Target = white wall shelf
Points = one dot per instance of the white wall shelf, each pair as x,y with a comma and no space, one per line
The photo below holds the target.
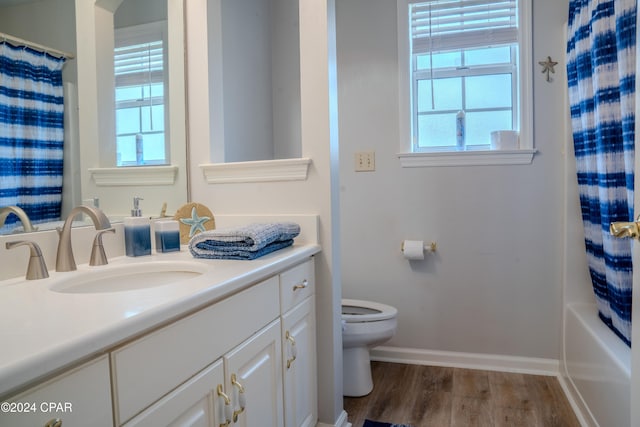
137,175
467,158
256,171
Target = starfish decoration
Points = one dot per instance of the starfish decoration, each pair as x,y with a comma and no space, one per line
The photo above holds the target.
547,67
196,222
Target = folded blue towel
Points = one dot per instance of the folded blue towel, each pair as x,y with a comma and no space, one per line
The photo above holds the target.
248,242
240,254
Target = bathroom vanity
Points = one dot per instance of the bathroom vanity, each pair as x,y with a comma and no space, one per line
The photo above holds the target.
234,343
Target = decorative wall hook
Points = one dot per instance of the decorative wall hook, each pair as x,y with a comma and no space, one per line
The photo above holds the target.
547,67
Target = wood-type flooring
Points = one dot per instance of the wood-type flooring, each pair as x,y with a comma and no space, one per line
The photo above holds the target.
430,396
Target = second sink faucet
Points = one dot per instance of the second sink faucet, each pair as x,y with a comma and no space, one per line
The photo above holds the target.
64,259
21,214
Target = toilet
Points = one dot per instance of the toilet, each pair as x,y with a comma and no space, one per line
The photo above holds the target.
365,324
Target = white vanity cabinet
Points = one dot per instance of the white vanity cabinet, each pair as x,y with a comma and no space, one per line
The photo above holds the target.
77,398
232,351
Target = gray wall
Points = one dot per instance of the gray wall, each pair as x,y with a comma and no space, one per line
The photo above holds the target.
494,285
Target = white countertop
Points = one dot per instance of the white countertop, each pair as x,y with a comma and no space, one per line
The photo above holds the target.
44,331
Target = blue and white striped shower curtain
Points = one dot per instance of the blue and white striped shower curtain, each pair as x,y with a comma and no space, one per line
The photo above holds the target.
601,72
31,132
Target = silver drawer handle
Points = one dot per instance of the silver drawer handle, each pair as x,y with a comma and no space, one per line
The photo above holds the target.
302,285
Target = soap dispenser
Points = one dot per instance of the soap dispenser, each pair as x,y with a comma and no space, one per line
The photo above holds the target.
137,232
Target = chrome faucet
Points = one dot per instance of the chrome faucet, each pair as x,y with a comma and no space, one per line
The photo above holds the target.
64,259
22,215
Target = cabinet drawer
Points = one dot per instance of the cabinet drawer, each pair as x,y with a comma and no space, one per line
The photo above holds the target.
296,284
80,397
147,369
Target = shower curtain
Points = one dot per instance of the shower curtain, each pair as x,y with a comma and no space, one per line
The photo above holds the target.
31,132
601,73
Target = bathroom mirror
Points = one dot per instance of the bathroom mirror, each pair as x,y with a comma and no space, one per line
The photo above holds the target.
254,63
78,26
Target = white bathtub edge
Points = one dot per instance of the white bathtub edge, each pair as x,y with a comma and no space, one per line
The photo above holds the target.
595,371
612,345
577,403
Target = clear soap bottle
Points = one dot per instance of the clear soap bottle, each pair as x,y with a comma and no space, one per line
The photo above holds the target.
460,131
137,232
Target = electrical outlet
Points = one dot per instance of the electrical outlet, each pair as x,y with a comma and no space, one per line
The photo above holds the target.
365,161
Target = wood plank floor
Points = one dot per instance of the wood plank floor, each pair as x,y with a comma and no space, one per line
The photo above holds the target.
430,396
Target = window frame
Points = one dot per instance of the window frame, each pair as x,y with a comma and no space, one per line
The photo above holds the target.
463,72
447,156
140,34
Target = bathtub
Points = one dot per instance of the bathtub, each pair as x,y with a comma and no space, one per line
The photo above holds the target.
597,368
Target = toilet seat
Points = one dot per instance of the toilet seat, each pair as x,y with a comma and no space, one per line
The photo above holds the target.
365,324
358,311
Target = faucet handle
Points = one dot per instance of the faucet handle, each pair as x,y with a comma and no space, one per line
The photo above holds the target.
37,268
98,256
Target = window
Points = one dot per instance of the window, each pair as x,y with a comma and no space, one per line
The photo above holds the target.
463,58
139,61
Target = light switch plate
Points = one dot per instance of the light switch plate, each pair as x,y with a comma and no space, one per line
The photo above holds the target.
365,161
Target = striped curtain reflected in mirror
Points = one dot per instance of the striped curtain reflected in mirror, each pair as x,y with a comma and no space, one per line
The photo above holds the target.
31,132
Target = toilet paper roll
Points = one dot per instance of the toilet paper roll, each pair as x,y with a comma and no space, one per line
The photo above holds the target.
504,140
413,249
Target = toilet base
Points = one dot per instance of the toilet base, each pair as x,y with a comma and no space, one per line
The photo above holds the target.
356,372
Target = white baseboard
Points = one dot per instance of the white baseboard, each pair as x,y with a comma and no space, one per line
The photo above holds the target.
340,422
489,362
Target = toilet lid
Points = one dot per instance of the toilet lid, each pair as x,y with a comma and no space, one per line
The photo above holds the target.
354,311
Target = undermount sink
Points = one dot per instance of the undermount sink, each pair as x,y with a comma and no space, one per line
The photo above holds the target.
129,277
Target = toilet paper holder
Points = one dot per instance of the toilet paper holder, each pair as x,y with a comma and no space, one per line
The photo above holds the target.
427,248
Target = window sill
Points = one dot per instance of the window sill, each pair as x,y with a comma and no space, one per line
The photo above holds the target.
467,158
257,171
134,175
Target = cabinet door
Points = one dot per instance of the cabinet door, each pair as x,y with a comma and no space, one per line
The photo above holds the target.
299,365
80,397
254,379
200,402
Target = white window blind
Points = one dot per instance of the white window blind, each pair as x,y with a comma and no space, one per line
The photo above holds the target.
444,25
139,63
